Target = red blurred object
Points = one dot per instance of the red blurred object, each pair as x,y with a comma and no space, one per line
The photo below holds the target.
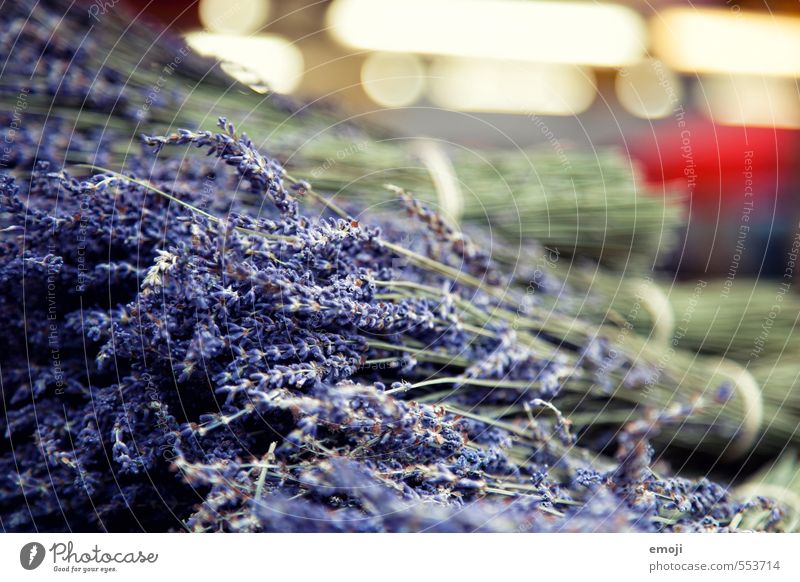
714,162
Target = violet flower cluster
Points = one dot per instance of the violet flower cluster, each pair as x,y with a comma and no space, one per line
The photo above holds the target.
171,362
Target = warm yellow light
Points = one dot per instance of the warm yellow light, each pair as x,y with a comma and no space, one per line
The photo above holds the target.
255,60
563,32
649,89
511,87
722,41
754,101
393,80
233,16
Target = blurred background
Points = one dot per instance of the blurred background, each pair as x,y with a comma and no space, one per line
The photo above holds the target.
703,96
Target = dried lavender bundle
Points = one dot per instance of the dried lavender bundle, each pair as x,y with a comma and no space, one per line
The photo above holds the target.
206,369
781,394
549,296
746,320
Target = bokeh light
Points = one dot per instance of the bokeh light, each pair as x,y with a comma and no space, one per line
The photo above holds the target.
648,89
393,80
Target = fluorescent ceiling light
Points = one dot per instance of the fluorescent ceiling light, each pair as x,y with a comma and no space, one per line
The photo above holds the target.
511,87
559,32
722,41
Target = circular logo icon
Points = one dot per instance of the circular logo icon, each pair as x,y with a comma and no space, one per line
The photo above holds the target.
31,555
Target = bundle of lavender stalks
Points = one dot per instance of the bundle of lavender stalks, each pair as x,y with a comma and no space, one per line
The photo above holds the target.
232,345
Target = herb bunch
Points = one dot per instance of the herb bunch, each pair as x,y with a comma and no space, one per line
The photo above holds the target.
188,364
